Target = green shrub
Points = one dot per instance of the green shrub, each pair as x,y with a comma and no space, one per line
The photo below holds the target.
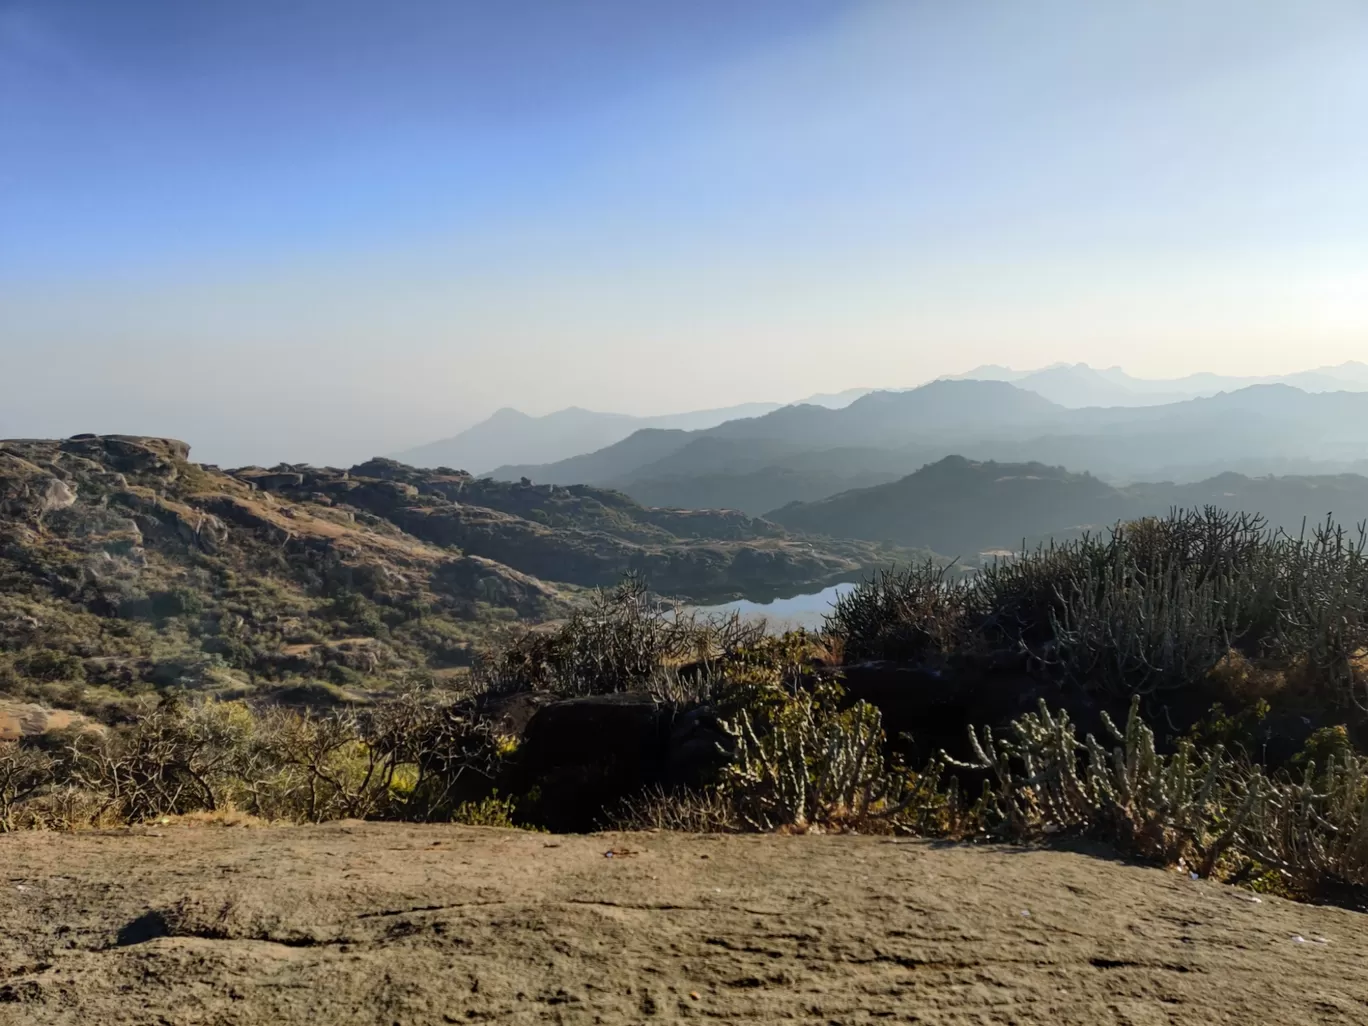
625,641
1152,606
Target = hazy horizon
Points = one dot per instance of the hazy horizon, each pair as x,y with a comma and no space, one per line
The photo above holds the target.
312,231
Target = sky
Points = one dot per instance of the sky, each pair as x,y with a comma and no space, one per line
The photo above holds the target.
328,229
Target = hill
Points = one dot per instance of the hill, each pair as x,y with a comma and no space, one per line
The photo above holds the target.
962,507
125,566
517,445
965,506
510,436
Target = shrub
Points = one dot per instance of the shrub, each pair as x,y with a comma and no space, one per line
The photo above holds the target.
24,774
1152,606
904,615
1197,806
803,763
625,641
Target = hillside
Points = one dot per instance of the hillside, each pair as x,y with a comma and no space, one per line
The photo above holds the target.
963,507
510,436
816,441
125,566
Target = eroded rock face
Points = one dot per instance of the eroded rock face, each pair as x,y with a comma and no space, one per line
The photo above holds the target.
29,492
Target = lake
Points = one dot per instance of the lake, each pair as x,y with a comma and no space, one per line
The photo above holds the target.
785,614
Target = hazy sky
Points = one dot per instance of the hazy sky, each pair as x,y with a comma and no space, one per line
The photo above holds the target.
323,229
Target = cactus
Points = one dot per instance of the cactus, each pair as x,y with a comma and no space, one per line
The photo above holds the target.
810,766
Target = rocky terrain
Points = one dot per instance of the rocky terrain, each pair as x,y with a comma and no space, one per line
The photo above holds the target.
125,567
390,924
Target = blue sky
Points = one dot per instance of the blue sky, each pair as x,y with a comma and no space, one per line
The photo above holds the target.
319,230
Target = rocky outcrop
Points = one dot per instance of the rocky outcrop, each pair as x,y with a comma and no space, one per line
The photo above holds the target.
28,492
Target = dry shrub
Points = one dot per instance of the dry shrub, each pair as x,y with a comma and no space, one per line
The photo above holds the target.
703,811
907,615
25,773
423,755
626,641
1238,679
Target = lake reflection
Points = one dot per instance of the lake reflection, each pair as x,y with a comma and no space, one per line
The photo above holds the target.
785,614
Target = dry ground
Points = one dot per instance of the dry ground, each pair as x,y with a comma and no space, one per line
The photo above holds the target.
370,923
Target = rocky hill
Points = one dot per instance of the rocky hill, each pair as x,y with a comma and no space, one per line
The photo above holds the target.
126,567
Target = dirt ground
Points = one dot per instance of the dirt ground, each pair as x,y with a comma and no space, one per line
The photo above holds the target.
385,924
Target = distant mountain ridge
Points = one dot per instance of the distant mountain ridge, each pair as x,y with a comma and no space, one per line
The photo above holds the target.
1079,385
876,420
509,436
803,453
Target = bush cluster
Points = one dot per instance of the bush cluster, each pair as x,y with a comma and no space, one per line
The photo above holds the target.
1154,605
420,756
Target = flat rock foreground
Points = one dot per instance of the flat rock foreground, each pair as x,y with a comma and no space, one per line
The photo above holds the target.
383,923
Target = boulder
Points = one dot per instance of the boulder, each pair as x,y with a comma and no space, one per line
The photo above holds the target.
582,757
30,492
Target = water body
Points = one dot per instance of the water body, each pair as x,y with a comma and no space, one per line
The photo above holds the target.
785,614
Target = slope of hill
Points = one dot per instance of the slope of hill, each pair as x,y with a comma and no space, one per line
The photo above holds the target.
125,567
604,465
962,507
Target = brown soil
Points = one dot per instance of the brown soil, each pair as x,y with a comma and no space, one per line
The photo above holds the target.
370,923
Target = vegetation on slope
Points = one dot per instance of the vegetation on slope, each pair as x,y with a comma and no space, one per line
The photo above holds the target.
126,568
1193,690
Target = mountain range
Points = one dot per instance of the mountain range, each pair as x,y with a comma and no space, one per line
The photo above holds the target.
1077,385
774,449
805,453
510,436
